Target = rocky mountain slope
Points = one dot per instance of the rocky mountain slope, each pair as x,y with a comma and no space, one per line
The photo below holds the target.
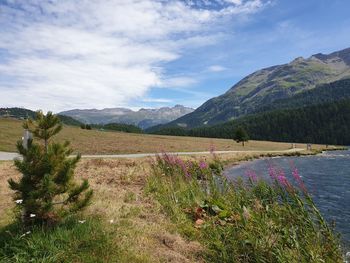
268,85
143,118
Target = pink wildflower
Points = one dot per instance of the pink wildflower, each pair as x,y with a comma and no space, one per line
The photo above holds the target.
251,175
203,165
183,166
297,177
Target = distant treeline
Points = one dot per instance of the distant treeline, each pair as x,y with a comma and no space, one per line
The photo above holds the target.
118,127
327,123
20,113
324,93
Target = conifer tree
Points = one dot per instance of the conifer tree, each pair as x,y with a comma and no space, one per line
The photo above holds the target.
46,191
240,135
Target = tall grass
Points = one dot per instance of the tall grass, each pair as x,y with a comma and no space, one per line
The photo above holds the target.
246,221
73,240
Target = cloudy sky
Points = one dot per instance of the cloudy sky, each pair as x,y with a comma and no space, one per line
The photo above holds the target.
64,54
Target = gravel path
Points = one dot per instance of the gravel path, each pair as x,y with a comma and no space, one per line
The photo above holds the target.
7,156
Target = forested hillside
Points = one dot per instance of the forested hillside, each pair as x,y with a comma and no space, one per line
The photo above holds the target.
327,123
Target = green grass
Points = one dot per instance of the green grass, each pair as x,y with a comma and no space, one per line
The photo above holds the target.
251,221
71,241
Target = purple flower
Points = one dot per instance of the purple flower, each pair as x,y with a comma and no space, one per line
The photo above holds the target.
251,175
183,166
272,172
297,178
203,165
282,180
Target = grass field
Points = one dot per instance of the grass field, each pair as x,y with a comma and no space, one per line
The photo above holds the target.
106,142
139,230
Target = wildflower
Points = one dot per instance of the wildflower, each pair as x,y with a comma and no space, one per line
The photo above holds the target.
251,175
282,180
183,166
32,215
82,221
297,178
111,221
272,171
203,165
19,201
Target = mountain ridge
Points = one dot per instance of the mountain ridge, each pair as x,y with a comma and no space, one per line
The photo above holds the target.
267,85
144,118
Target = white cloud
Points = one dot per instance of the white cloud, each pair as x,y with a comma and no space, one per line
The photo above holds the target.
156,100
216,68
58,55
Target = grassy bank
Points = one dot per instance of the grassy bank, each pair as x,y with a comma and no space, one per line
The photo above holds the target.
106,142
122,223
244,221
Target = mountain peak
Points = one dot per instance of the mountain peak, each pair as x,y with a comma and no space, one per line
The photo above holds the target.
144,118
268,85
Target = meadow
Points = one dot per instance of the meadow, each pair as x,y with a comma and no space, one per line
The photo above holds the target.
129,218
108,142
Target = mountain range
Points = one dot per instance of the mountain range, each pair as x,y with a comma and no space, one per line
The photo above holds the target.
265,86
143,118
319,115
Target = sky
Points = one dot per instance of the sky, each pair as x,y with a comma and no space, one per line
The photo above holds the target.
66,54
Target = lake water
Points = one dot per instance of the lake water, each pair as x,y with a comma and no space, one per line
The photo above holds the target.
327,178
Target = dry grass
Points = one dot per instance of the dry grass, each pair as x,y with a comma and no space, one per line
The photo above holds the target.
139,224
118,186
103,142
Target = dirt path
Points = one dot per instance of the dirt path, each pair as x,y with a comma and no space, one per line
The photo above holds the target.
7,156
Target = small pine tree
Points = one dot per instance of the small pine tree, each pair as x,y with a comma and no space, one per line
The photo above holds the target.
46,192
240,135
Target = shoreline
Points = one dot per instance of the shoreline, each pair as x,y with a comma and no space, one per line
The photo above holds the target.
250,158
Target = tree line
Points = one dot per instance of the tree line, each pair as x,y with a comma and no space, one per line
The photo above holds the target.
327,123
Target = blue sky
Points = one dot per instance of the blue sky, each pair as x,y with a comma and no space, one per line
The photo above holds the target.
59,55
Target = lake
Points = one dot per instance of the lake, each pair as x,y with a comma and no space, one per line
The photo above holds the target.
327,178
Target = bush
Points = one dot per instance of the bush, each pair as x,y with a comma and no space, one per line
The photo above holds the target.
246,221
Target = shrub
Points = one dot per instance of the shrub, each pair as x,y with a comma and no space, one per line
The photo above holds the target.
46,192
249,220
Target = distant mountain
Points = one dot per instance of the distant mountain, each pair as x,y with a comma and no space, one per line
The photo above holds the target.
265,86
20,113
143,118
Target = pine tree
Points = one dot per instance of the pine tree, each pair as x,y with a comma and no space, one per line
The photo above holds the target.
46,191
240,135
